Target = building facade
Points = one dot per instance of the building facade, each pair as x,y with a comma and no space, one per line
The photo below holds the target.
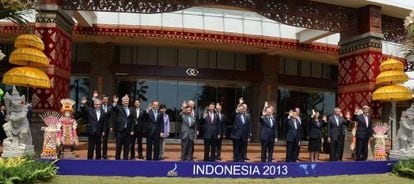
306,54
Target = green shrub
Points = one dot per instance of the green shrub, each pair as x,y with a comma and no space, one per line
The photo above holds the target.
404,168
25,170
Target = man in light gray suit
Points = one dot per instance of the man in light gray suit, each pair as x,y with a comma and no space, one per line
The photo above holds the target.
188,134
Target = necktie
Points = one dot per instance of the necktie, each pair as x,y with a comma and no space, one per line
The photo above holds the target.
271,122
98,114
337,121
126,111
211,117
155,115
104,107
366,120
189,121
242,118
317,123
295,123
138,113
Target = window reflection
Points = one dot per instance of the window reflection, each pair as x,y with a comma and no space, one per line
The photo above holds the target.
172,93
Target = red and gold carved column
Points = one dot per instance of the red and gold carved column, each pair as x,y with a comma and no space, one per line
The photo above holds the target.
359,61
55,29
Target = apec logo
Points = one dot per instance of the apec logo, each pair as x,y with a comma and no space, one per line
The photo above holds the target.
173,172
192,72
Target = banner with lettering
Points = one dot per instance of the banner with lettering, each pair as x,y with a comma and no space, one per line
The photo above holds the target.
219,169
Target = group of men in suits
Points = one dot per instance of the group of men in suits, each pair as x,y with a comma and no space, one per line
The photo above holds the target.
337,128
130,125
212,123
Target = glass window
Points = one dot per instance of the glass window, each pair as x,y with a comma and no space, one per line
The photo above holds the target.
317,70
225,60
212,59
147,55
167,56
203,59
187,57
305,69
146,91
241,62
125,54
291,66
327,71
79,87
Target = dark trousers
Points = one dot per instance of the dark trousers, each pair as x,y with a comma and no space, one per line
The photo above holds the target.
291,148
210,149
105,144
297,151
239,146
136,138
245,150
122,142
94,144
337,149
267,150
218,147
361,149
153,141
187,149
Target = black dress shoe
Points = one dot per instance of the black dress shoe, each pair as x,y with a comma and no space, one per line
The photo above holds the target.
218,158
141,157
246,158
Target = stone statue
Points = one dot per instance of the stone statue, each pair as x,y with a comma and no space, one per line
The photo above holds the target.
403,143
17,129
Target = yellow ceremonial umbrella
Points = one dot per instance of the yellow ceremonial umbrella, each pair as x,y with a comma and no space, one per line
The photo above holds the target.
392,73
29,40
392,93
391,77
391,64
28,57
26,77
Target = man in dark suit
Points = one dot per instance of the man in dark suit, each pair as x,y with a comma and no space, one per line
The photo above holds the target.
302,128
268,133
188,133
123,126
140,117
292,136
95,126
108,126
212,129
364,132
222,118
240,133
155,129
336,134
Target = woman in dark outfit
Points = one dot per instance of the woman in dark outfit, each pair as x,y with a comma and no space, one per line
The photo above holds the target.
315,136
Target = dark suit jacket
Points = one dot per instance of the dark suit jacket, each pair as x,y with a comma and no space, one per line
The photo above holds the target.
241,130
268,132
362,131
109,117
211,128
292,134
139,122
123,122
335,131
315,130
222,124
93,124
155,125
